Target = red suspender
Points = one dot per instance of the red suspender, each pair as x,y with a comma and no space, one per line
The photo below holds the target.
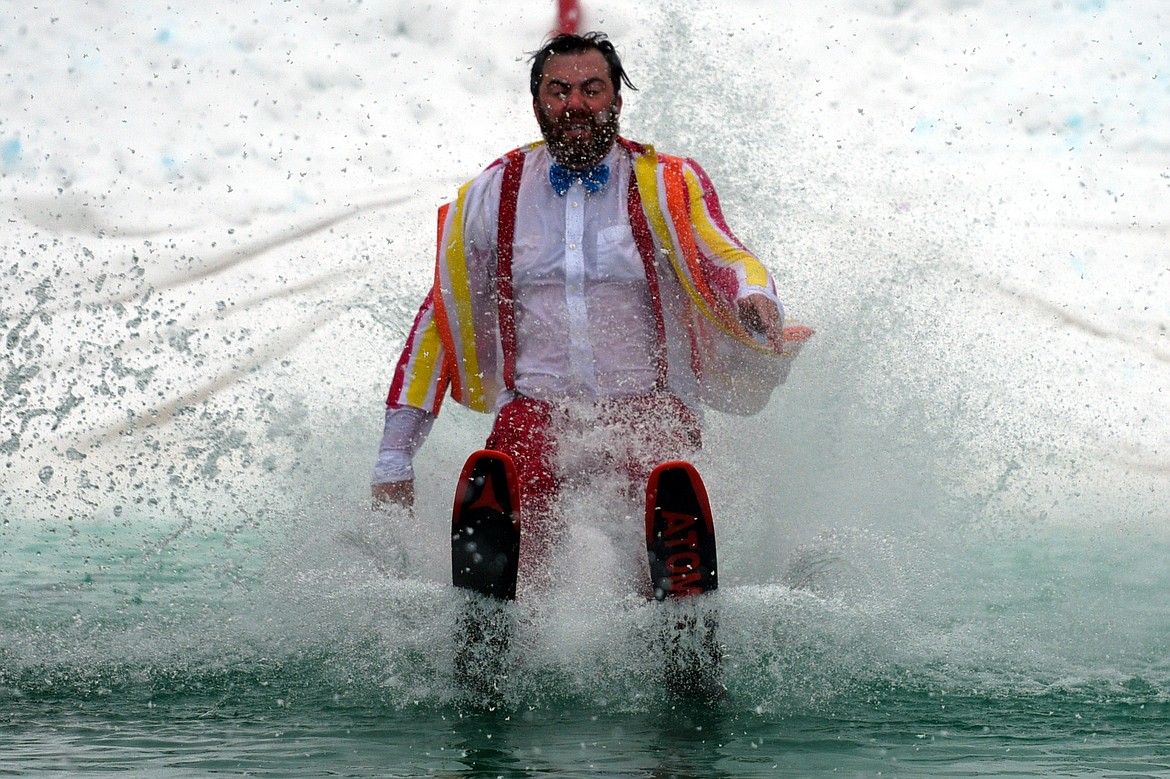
645,244
505,232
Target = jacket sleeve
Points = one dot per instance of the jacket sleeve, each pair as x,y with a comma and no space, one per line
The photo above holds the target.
727,265
405,429
421,376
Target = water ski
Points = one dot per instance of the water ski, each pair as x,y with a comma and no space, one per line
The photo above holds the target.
485,556
680,536
485,526
680,546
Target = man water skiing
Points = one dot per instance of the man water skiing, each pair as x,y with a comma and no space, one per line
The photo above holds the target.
586,283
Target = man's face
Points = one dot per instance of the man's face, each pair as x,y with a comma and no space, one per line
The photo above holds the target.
577,108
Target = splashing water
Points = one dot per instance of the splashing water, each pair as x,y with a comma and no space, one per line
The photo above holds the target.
942,544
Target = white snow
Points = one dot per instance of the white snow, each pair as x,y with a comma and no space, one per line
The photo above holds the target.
218,222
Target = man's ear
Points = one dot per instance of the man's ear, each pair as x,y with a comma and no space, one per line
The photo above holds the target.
617,105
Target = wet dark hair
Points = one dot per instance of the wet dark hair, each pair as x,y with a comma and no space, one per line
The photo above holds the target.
570,43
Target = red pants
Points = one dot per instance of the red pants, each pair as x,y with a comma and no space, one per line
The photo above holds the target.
629,436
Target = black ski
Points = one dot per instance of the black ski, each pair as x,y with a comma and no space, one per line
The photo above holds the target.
485,526
485,556
680,546
680,536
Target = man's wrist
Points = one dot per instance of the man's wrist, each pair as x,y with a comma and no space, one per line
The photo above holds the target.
392,466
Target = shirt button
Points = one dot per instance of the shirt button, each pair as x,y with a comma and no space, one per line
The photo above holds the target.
572,246
576,204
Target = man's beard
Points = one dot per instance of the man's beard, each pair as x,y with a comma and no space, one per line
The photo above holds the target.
579,153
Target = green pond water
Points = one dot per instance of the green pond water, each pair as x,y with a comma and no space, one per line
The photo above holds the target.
127,648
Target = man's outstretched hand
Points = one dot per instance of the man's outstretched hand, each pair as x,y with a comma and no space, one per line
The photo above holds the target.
393,494
760,314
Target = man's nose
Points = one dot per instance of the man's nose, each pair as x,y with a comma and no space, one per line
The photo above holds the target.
576,100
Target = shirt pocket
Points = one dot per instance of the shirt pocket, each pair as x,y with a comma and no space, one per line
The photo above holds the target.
617,257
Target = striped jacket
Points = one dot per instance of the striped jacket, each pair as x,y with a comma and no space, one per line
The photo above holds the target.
463,339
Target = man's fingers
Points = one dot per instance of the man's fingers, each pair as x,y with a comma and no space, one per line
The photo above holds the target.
750,317
760,314
393,493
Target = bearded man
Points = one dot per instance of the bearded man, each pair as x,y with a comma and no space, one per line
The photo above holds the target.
589,293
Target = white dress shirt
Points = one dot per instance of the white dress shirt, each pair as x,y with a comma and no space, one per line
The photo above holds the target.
584,320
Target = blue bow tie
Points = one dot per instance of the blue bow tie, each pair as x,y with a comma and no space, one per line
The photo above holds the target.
593,179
